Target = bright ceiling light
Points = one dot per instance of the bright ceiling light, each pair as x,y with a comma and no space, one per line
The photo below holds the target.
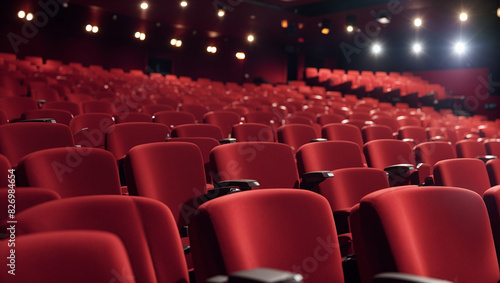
144,5
173,41
137,34
88,28
284,23
250,38
240,55
325,30
21,14
463,17
417,22
376,48
29,16
211,49
417,48
178,43
184,4
143,36
350,28
460,48
95,29
498,12
221,13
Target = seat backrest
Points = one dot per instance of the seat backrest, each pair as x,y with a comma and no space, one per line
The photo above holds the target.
252,132
263,117
71,171
67,257
25,198
382,153
197,130
97,106
493,168
170,172
271,164
232,233
89,129
14,107
324,119
197,110
132,117
174,118
343,132
60,116
71,107
296,135
387,121
328,155
492,147
121,138
417,230
145,226
417,133
376,132
223,119
470,148
152,109
20,139
468,173
432,152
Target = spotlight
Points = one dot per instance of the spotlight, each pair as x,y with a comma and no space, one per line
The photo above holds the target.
137,34
240,55
350,28
284,23
350,22
417,22
417,48
460,48
463,17
325,26
498,12
221,10
301,25
95,29
88,28
184,4
144,5
376,49
173,41
383,17
212,49
178,43
21,14
143,36
250,38
29,17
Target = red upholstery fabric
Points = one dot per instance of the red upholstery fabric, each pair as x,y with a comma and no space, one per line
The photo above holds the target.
14,107
70,256
71,107
492,200
324,119
197,130
170,172
343,132
145,226
61,116
71,171
271,164
97,107
4,166
25,198
121,138
432,152
492,147
425,231
328,155
88,129
197,110
468,173
264,118
376,132
223,119
252,132
174,118
20,139
493,168
132,117
296,135
284,229
386,121
470,148
382,153
152,109
416,133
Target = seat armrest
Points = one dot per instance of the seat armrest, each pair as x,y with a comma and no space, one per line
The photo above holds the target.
312,179
394,277
258,275
400,169
486,158
228,140
242,184
39,120
318,140
401,174
424,172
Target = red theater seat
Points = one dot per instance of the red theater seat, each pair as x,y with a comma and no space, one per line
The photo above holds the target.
25,198
197,130
468,173
376,132
14,107
60,116
73,108
225,120
98,106
493,168
432,152
470,149
174,118
88,129
252,132
296,135
152,109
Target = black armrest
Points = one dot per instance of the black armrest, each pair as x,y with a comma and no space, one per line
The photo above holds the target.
40,120
318,140
486,158
242,184
394,277
312,179
400,169
184,232
228,140
41,101
258,275
218,192
187,249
